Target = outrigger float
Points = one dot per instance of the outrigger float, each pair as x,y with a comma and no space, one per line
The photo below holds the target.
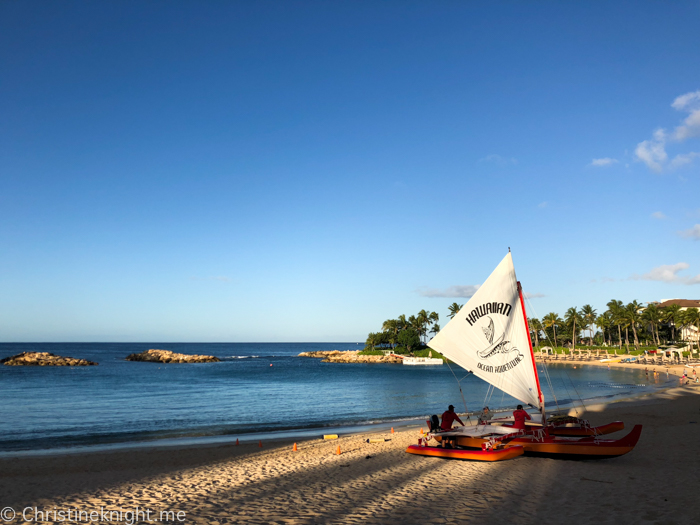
490,337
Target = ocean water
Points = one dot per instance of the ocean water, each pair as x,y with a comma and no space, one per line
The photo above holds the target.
257,389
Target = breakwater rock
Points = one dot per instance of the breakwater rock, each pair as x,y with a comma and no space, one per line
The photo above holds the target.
166,356
43,359
351,356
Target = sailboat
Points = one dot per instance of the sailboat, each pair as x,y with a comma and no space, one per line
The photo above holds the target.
490,338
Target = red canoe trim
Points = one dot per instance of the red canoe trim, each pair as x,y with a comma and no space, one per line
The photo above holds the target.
474,455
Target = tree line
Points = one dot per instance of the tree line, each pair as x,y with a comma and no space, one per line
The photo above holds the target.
409,333
646,323
612,327
650,323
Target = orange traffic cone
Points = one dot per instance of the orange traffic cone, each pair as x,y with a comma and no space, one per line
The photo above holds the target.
392,430
260,444
338,452
237,443
421,431
295,447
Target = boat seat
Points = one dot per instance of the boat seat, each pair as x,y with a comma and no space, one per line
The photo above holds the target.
433,423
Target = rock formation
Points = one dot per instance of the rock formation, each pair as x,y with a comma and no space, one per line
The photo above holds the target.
43,359
351,356
166,356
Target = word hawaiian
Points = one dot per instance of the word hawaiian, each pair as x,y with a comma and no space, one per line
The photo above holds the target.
501,368
488,308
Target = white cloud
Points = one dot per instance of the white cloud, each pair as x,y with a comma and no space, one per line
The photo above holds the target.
542,204
658,215
499,160
463,291
692,233
668,273
653,152
689,102
607,161
683,159
690,127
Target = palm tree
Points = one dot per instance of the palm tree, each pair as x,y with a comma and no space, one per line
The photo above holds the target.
372,339
535,326
570,318
433,317
633,317
417,323
391,326
692,316
589,317
670,315
652,316
615,308
403,323
552,320
454,309
435,329
683,323
604,321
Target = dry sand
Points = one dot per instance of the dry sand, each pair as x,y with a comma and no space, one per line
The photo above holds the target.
380,483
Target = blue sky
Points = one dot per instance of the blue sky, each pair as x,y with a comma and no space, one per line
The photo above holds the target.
302,171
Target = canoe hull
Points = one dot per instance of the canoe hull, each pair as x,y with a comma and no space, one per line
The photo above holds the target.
562,447
602,430
509,452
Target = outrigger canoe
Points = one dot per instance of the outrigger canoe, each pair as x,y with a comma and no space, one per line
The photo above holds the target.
564,425
539,443
490,337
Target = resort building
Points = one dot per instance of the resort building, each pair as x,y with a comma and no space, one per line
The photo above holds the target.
688,332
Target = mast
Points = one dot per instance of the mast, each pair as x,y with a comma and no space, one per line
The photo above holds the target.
532,355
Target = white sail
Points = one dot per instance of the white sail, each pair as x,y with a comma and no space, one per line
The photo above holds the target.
489,337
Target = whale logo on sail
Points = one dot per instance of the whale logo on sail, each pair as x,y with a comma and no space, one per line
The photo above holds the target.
499,346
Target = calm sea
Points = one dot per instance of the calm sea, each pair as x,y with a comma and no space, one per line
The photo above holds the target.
257,389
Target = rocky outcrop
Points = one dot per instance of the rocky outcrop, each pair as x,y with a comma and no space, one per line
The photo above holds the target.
351,356
43,359
166,356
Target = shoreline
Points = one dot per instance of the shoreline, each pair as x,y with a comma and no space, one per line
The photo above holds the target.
374,483
351,429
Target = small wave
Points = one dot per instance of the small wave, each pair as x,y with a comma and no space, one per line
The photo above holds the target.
244,356
616,385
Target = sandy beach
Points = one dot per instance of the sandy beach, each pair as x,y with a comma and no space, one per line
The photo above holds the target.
374,483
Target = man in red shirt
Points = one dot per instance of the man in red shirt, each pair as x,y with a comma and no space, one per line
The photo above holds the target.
520,416
448,418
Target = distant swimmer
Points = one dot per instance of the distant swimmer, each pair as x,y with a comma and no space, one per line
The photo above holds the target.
448,417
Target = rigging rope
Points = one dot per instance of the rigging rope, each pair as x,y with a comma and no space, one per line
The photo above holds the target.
544,363
459,383
583,405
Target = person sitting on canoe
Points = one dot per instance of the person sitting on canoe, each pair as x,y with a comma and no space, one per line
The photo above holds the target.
448,418
519,417
485,416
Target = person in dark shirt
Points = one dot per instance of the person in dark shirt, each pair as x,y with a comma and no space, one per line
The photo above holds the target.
448,417
520,416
